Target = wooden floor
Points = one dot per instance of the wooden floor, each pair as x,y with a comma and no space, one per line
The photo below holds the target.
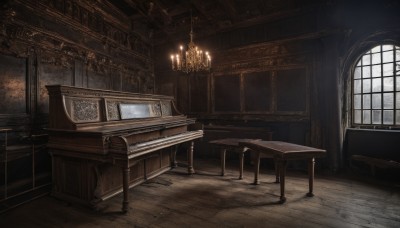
205,199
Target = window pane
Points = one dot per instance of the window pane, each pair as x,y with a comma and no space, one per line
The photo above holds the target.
376,71
359,63
367,72
376,58
398,117
376,85
366,117
397,55
388,56
388,69
366,86
366,59
376,117
388,101
376,49
388,84
387,47
366,101
397,68
388,117
357,86
357,73
397,83
357,116
376,101
357,101
397,100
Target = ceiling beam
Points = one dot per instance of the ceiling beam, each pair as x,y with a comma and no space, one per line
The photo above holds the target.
229,6
199,6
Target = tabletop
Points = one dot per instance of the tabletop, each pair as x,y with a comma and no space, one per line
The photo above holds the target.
284,149
231,141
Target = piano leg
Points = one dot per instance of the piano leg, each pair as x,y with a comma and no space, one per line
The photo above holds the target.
190,158
223,155
125,187
174,163
256,167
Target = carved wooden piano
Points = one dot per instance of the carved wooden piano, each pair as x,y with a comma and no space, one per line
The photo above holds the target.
104,142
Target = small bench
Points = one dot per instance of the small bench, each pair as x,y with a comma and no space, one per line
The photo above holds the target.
375,162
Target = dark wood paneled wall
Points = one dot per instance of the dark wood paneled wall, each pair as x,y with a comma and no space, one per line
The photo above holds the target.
80,43
289,75
254,82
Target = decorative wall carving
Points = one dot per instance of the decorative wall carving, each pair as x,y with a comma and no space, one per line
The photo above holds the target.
70,42
103,26
57,59
90,38
9,43
263,56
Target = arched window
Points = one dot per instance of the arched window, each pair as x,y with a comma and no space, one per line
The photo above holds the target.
376,88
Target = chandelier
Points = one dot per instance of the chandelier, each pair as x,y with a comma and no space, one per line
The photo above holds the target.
193,59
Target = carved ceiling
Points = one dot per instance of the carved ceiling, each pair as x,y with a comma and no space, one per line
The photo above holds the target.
171,18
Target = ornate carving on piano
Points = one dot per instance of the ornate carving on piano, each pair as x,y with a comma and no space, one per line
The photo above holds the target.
108,141
112,110
91,105
156,109
166,108
85,110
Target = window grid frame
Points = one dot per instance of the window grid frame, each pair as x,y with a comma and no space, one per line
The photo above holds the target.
395,93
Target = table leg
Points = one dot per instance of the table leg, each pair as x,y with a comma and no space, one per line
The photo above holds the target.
190,158
276,170
241,160
256,167
125,188
311,165
282,172
223,155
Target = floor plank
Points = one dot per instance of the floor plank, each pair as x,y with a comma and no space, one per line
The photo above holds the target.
206,199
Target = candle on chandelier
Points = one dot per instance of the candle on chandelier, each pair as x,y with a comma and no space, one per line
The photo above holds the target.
207,58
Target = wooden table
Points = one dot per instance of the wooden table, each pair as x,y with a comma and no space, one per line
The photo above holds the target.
282,152
232,145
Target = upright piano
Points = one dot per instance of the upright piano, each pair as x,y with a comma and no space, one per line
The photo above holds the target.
104,142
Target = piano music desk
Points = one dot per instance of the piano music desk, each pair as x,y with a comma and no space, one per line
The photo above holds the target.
282,152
